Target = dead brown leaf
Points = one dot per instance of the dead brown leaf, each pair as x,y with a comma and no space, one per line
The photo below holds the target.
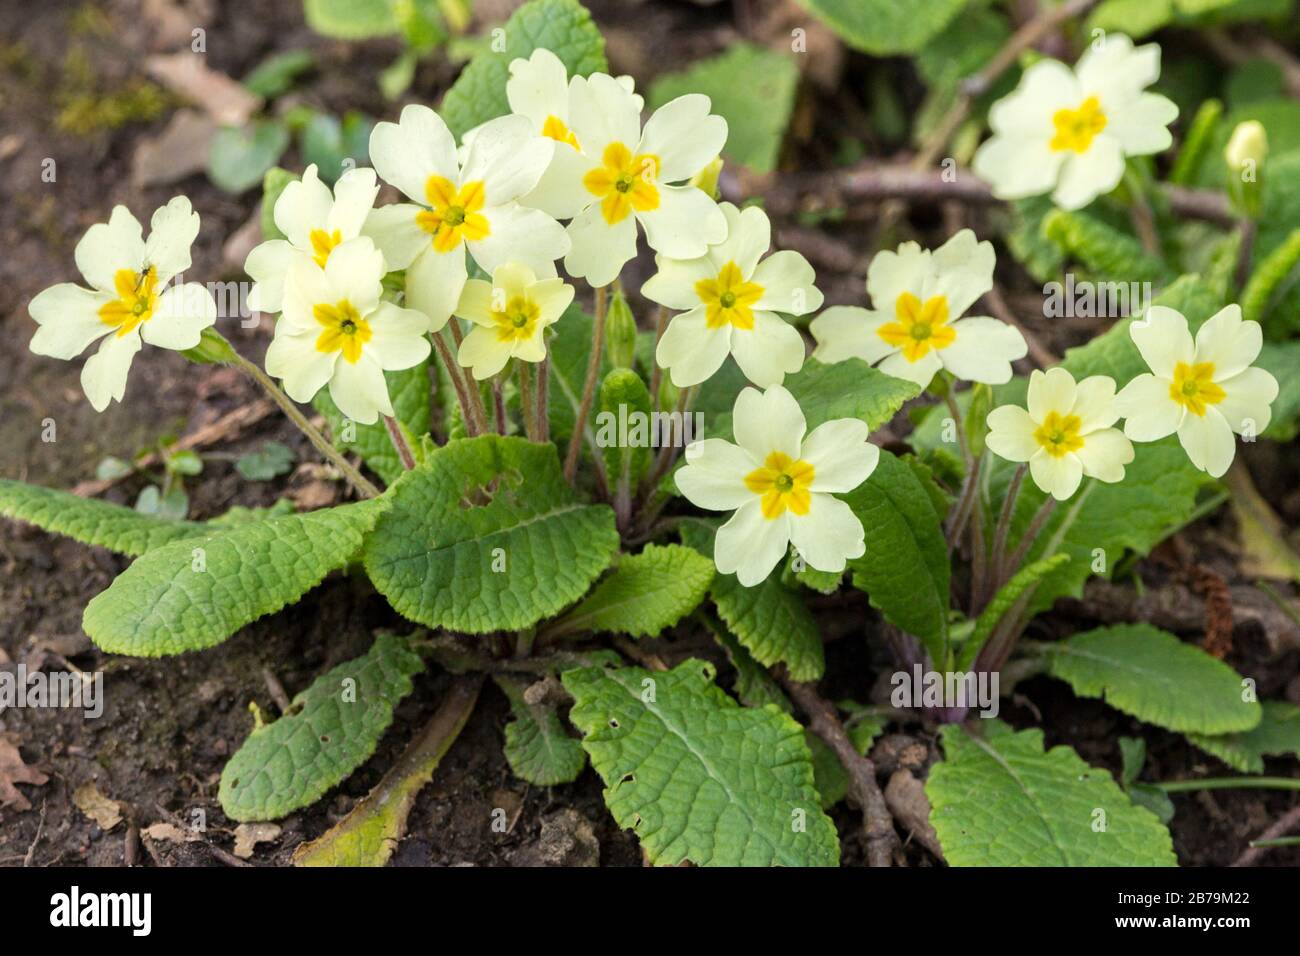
90,801
249,835
188,76
180,150
14,771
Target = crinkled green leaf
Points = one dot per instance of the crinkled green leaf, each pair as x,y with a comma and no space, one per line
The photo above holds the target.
409,392
752,88
1109,254
1154,676
697,776
332,729
242,155
1276,734
905,569
196,592
1283,360
486,535
998,799
645,594
885,27
562,26
90,520
770,619
538,747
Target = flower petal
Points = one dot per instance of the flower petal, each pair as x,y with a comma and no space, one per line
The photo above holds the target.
962,271
1163,339
921,371
172,231
408,152
1149,413
108,247
1208,441
1018,166
750,545
360,391
684,135
560,192
354,197
182,313
714,475
483,352
508,157
355,271
828,535
68,316
769,351
1246,406
599,251
846,331
268,264
103,377
749,234
673,285
304,205
764,422
1058,477
1094,403
1085,176
1228,341
434,283
397,338
538,88
1050,391
1115,72
686,223
840,454
394,230
519,234
293,358
893,273
1011,433
1104,454
983,350
603,111
787,280
690,350
1027,111
1142,126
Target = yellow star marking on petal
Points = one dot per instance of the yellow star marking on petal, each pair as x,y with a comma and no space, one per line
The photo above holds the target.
1194,387
323,243
1059,434
624,182
1075,129
919,327
729,299
518,320
453,215
344,329
783,483
137,298
556,129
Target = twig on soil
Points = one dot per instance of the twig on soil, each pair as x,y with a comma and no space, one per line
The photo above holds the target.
40,832
878,822
276,690
1284,825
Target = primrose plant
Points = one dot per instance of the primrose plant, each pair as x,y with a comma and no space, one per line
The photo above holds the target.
446,339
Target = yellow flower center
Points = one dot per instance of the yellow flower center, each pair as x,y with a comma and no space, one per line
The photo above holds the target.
518,320
918,327
555,128
137,298
1194,387
323,243
1075,129
1059,434
344,330
729,299
453,216
624,182
783,483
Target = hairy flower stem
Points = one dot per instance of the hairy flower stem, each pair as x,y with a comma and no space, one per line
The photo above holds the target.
499,403
978,548
543,412
589,386
656,373
668,453
363,486
1036,524
1003,528
475,424
400,444
527,399
1229,783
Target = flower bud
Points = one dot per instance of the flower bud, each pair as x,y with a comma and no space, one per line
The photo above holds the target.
213,349
707,178
1247,148
620,332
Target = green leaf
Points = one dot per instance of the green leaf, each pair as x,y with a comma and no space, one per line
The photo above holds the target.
1107,253
330,144
752,88
409,392
242,155
276,73
1011,592
697,776
487,535
885,27
769,619
1154,676
538,748
645,594
196,592
1276,734
90,520
848,389
331,729
1283,360
1268,277
905,569
562,26
351,19
270,461
999,800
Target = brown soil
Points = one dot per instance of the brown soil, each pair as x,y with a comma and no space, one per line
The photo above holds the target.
169,725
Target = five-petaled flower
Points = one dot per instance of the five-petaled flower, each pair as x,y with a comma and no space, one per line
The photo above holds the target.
129,299
780,484
1065,434
917,328
1068,131
458,206
314,223
612,174
335,330
731,300
510,315
1204,389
